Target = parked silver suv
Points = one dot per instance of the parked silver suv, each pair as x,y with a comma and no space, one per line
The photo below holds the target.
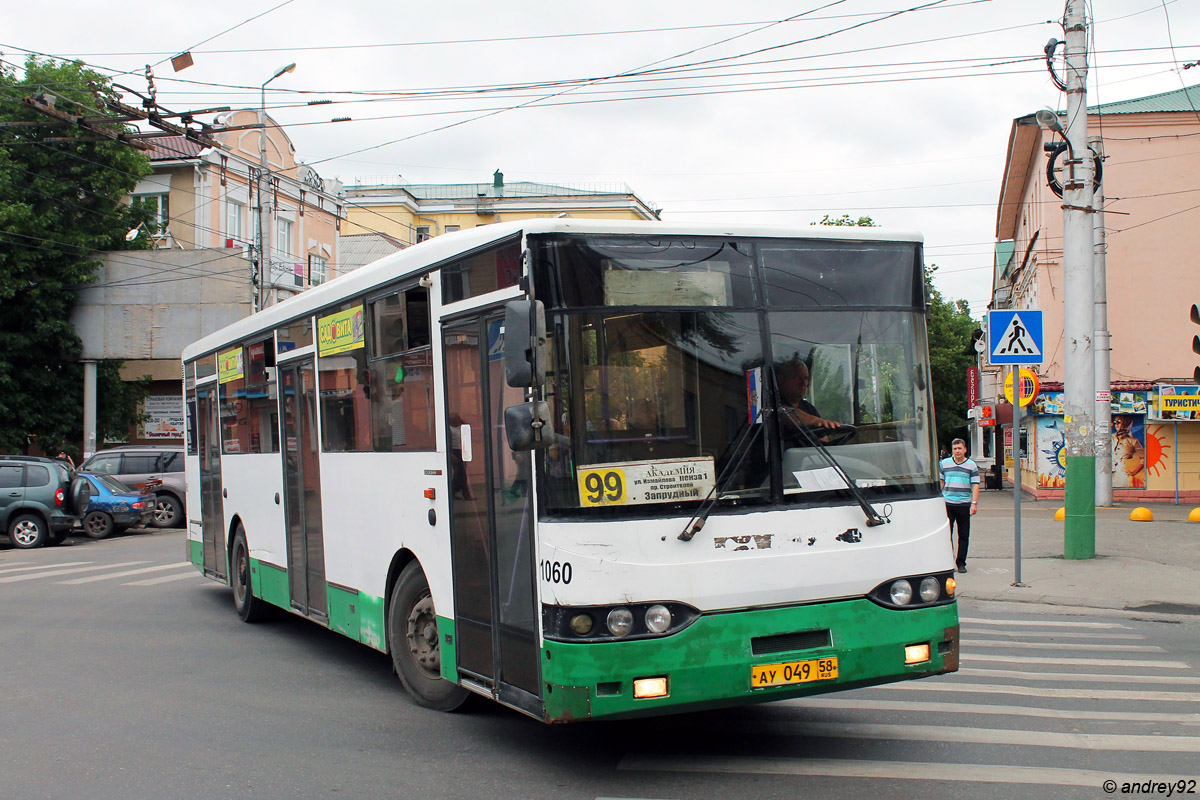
136,465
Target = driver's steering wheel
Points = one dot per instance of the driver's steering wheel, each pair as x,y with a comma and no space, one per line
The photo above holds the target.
835,436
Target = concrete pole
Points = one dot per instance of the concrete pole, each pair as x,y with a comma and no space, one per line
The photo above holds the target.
89,409
1103,346
1080,528
264,210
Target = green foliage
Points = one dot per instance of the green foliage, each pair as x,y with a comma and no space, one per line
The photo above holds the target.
950,354
60,204
846,221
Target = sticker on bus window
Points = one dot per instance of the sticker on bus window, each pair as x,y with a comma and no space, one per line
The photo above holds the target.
668,480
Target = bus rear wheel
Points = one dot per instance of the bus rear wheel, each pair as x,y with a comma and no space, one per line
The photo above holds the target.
248,607
414,643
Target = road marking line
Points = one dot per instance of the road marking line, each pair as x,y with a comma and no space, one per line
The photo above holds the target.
1041,623
165,579
42,566
1076,677
841,704
1105,648
55,573
93,578
964,735
896,770
1043,691
1085,662
1051,634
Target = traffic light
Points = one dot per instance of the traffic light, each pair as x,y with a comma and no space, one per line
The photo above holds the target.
1196,341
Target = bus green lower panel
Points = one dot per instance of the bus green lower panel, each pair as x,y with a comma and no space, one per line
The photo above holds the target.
448,648
196,553
708,664
343,610
270,582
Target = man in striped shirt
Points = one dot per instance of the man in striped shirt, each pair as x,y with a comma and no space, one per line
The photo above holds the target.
960,488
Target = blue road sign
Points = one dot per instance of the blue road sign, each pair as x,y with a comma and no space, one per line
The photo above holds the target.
1015,337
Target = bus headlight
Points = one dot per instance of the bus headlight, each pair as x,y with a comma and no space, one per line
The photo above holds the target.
901,592
581,624
930,589
658,619
620,621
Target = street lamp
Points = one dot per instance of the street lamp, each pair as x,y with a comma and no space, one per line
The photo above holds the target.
264,213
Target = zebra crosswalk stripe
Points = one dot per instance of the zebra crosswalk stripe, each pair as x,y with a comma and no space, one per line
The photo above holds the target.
165,579
124,574
42,566
54,573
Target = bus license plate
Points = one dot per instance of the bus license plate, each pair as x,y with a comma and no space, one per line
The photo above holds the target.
789,672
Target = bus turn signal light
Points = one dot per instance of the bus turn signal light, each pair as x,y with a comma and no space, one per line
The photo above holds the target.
951,585
644,688
430,494
916,653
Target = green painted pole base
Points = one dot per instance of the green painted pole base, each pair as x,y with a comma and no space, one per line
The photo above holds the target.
1080,529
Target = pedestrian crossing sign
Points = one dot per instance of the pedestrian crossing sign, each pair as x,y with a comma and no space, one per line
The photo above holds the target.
1015,337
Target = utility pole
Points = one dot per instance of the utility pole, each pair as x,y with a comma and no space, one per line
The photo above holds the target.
264,186
1102,343
1079,317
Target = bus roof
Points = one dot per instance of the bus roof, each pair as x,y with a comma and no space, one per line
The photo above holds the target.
440,249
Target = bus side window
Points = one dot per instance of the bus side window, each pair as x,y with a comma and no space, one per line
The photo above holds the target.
401,372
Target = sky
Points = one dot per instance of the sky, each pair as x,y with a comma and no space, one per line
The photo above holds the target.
761,111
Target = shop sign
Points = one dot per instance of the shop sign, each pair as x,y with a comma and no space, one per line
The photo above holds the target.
1177,402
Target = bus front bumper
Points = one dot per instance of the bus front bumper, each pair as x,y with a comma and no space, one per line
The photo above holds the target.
711,663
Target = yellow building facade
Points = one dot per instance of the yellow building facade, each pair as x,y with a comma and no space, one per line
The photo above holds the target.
413,213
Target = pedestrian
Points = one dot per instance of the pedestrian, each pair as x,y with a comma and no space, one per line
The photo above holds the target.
960,488
64,456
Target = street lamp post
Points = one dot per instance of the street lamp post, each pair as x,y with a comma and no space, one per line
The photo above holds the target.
264,211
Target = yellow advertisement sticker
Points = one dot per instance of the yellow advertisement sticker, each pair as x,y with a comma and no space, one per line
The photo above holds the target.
229,365
340,332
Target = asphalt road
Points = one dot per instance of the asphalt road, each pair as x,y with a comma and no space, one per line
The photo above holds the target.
127,675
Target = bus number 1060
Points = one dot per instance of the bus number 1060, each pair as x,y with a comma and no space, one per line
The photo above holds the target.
556,571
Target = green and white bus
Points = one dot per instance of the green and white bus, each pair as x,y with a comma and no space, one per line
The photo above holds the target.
566,465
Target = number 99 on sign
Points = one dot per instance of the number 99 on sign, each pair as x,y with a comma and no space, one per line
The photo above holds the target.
602,487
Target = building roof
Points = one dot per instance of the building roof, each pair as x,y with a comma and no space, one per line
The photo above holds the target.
1187,99
173,148
358,249
472,191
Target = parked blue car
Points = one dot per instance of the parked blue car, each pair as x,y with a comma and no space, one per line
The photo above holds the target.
114,506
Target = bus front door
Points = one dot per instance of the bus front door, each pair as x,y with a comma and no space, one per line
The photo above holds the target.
212,508
302,488
496,614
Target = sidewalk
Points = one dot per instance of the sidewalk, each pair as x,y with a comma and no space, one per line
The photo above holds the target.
1139,566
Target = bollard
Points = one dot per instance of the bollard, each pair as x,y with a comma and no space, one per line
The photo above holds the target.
1194,516
1061,514
1141,514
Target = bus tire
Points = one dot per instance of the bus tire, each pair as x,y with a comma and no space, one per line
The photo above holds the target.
248,607
414,644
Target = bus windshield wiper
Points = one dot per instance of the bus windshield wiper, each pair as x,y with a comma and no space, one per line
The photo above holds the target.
873,516
736,456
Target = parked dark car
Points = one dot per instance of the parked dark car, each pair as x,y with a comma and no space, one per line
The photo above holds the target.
136,466
41,499
115,507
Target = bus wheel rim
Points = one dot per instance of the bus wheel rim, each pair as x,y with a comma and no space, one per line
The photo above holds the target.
422,637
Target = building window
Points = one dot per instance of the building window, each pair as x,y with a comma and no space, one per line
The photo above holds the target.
162,210
283,237
422,233
233,221
318,270
453,228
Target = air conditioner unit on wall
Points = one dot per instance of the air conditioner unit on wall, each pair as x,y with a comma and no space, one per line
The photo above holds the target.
1003,297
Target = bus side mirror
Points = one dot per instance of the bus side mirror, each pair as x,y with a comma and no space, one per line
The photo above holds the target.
528,427
524,343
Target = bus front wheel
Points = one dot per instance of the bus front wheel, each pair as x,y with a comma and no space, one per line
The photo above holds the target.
414,644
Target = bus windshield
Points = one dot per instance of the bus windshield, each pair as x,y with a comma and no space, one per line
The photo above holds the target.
699,388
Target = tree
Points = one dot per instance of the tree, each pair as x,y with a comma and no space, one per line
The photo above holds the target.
950,354
60,204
